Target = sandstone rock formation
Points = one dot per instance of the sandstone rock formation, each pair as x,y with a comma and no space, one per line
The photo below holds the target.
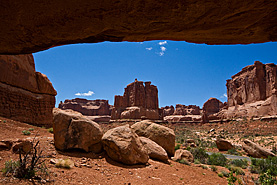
168,110
180,118
138,101
254,150
27,27
210,109
154,150
252,92
87,107
25,95
187,110
73,131
123,145
163,136
181,154
223,145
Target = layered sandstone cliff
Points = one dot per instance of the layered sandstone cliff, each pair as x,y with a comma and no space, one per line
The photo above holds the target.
25,95
87,107
252,92
140,100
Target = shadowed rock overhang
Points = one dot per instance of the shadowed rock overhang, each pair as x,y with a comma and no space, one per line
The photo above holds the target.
30,26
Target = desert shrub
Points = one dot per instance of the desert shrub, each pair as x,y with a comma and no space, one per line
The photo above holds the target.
31,129
177,147
217,159
213,168
224,173
183,161
204,167
267,178
50,130
220,175
199,154
26,132
236,170
239,163
233,151
27,166
67,163
264,165
231,179
196,161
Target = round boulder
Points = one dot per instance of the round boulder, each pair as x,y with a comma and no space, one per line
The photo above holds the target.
181,154
223,145
123,145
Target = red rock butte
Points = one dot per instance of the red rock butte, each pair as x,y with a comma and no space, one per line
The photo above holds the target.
138,101
30,26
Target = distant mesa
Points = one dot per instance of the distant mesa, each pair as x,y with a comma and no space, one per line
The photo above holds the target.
96,110
140,100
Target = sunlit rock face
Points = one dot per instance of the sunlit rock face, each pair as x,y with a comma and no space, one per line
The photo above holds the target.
30,26
140,100
25,95
252,91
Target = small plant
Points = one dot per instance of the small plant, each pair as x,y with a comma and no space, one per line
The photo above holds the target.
4,121
231,179
31,129
199,154
196,161
267,179
263,165
233,151
217,159
236,170
50,130
177,147
26,132
220,175
225,174
213,168
239,163
204,167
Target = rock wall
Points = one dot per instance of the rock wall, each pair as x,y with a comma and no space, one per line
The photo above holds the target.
252,92
140,100
25,95
87,107
187,110
30,26
211,108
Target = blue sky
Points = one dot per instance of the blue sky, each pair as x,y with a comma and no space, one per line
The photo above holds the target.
184,73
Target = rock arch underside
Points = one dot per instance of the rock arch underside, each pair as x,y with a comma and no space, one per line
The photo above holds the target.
31,26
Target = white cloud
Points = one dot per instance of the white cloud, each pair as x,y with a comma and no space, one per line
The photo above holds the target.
224,96
89,93
163,49
149,49
162,43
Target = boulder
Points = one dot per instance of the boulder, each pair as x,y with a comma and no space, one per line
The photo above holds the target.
22,146
163,136
181,154
73,131
154,150
140,99
122,144
254,150
5,145
223,145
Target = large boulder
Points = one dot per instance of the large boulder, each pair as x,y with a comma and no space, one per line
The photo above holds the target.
73,131
181,154
254,150
163,136
154,150
123,145
223,145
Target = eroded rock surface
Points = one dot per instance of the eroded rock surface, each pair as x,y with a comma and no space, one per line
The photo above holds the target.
87,107
181,154
28,26
139,101
122,144
255,150
25,95
74,131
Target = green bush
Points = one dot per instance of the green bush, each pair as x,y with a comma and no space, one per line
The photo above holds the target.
31,129
183,161
220,175
225,174
10,167
196,161
204,167
26,132
177,147
217,159
236,170
50,130
213,168
264,165
239,163
233,151
267,178
199,154
231,179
